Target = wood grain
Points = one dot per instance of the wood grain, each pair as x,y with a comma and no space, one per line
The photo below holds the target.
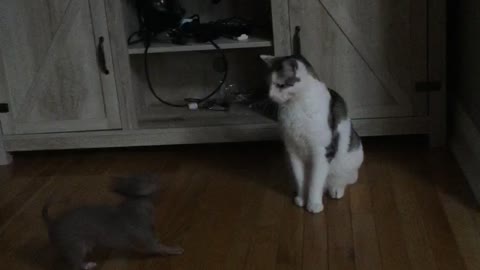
439,233
353,46
391,239
193,135
224,43
291,228
341,253
315,242
109,87
23,183
230,207
116,20
405,175
281,27
264,243
5,157
365,239
437,68
248,214
465,145
56,86
461,210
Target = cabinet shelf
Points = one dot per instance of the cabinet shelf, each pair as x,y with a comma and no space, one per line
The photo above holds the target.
224,43
166,117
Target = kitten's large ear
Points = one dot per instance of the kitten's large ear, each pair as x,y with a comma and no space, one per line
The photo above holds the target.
268,59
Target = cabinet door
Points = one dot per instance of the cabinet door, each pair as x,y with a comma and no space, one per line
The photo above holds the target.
54,79
372,52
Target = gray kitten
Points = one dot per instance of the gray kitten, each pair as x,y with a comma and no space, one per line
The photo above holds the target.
127,226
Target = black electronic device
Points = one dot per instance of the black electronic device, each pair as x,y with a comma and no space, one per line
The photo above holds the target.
157,16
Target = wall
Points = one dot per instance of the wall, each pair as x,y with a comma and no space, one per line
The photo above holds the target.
464,86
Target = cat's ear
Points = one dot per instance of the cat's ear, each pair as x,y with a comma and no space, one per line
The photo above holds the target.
268,59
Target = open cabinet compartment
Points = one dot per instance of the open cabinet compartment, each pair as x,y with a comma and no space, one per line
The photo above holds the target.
192,71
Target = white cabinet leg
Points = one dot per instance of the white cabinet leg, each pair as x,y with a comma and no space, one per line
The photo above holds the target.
5,157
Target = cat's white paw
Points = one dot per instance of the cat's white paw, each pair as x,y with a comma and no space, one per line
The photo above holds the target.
298,200
315,207
336,192
89,266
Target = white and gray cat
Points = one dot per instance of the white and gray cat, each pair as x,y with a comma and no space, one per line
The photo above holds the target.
324,150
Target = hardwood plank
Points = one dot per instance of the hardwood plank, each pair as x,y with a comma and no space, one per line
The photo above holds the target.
209,205
264,243
263,247
315,244
230,207
387,220
341,254
404,178
461,210
206,231
226,222
23,184
465,229
27,248
253,176
439,233
290,246
365,239
291,229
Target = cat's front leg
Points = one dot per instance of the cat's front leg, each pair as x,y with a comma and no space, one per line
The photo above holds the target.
318,177
298,169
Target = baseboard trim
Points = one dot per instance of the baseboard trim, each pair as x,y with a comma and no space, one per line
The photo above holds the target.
465,145
214,134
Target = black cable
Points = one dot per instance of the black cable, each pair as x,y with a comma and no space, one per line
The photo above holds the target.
149,82
198,101
225,73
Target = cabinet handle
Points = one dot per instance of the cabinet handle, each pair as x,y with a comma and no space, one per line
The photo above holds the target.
297,47
102,62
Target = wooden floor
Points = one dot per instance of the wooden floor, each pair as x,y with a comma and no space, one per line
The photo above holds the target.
230,207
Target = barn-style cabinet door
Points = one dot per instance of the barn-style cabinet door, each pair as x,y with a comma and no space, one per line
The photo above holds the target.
57,69
373,52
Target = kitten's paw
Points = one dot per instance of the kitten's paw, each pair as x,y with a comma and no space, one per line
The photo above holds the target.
336,192
298,200
89,266
315,207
